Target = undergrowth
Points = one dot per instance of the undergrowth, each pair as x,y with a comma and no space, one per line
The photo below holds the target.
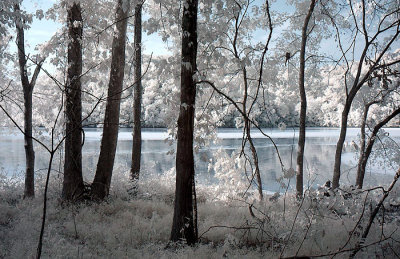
324,223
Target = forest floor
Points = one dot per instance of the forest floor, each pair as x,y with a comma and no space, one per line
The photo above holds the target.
230,225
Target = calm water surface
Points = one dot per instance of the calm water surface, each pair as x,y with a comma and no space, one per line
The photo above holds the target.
157,157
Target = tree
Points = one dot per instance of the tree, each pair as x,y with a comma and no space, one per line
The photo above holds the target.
243,67
382,96
303,101
365,150
27,87
73,180
137,110
377,34
239,16
102,179
184,224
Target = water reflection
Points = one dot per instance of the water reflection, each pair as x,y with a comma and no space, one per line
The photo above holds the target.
156,157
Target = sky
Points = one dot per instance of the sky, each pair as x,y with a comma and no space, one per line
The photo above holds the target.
42,30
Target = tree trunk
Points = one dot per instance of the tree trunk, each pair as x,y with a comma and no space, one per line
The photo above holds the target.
339,145
255,157
27,88
303,106
137,135
362,145
29,190
102,179
247,132
73,181
363,164
183,226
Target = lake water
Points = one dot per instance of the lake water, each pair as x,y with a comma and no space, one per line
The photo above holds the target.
156,157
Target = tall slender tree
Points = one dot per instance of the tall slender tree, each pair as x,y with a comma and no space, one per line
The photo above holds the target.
73,180
303,103
137,103
102,179
27,87
184,224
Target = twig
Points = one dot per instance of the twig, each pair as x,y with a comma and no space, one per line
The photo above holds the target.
294,221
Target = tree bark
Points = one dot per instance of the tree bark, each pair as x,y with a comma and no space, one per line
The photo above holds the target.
303,104
102,179
27,87
137,102
29,190
183,227
363,162
73,181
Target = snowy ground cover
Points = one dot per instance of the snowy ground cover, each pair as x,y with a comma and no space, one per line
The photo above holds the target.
231,224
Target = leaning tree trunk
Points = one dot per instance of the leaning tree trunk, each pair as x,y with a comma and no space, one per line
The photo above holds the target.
363,163
184,223
339,145
137,134
303,106
27,88
102,179
73,180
